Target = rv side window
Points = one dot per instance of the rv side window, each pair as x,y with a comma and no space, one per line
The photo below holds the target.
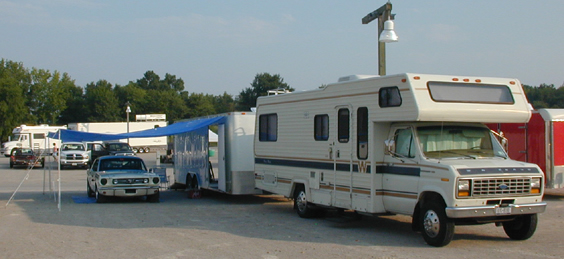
362,132
343,127
321,127
38,136
268,127
389,97
405,145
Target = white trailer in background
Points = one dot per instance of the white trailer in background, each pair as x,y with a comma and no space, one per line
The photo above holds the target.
234,173
411,144
35,137
144,122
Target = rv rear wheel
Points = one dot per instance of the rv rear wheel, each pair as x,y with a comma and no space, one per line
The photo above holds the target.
301,204
523,227
437,229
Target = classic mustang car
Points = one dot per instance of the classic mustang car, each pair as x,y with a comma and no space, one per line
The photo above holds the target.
26,157
122,176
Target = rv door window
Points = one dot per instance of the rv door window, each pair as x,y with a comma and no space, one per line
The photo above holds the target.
321,127
343,125
404,143
268,127
362,132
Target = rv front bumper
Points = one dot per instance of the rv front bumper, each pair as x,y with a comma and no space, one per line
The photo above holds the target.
495,210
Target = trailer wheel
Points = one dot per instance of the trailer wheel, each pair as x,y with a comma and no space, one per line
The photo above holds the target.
522,228
304,209
437,229
146,149
134,150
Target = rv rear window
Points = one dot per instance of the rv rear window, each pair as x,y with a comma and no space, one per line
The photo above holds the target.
321,127
268,127
470,93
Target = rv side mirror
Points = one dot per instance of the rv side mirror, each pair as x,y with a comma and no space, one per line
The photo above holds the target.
389,145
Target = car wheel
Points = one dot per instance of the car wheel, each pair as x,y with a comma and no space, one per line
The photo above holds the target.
89,190
100,198
304,209
154,198
437,229
523,227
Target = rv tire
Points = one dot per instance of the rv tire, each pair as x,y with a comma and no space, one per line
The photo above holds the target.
523,227
301,204
437,229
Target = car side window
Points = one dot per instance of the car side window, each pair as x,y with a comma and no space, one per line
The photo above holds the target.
95,165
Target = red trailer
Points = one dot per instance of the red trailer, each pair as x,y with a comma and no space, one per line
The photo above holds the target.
540,141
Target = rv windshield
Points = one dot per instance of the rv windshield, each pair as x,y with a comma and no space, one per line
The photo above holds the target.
458,142
15,137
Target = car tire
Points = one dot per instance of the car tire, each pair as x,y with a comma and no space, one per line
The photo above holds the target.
522,228
89,190
100,198
11,164
437,229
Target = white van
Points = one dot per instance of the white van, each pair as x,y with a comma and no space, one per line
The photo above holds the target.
412,144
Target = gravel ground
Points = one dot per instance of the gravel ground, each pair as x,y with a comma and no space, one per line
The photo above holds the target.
223,226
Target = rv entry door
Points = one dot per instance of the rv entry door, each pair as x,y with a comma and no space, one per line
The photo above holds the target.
342,159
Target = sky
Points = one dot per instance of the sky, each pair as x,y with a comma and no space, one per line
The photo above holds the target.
219,46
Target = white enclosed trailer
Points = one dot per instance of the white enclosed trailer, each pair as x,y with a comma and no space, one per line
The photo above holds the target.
138,144
234,173
412,144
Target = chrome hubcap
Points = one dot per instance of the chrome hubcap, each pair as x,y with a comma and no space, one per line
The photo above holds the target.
301,201
431,223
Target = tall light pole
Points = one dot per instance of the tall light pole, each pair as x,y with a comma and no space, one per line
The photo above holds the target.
127,111
386,32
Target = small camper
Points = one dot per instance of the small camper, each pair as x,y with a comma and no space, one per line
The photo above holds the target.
412,144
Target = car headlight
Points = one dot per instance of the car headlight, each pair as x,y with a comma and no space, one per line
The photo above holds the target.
146,180
463,188
156,180
536,185
104,181
114,181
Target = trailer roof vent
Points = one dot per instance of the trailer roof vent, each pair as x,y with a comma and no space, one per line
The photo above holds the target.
354,78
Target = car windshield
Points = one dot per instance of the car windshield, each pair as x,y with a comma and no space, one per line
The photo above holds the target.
77,147
119,147
458,142
122,164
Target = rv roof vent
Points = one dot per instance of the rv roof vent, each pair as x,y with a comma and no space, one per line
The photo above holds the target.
354,77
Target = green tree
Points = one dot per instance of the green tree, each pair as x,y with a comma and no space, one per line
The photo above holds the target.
224,103
260,87
14,83
102,103
200,105
48,95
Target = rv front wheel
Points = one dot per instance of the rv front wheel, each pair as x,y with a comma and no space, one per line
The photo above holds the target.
437,229
523,227
301,204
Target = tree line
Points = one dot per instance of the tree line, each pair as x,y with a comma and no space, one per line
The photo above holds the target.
38,96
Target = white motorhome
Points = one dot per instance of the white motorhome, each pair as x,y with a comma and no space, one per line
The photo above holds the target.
35,137
412,144
234,170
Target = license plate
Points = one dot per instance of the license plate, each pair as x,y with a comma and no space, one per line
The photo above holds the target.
503,211
73,164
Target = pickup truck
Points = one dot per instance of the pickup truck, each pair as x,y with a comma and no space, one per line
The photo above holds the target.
109,148
74,154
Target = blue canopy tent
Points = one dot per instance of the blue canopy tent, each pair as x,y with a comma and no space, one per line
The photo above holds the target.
173,129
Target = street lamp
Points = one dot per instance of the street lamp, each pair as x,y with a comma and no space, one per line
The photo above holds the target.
127,111
386,32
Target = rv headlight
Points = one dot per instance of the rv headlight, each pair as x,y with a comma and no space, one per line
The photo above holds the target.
463,188
536,185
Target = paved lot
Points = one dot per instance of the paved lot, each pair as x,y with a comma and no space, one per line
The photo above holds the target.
222,226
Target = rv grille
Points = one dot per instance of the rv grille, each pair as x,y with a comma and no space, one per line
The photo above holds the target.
492,187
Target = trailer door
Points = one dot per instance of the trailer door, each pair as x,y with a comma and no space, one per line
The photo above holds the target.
342,159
